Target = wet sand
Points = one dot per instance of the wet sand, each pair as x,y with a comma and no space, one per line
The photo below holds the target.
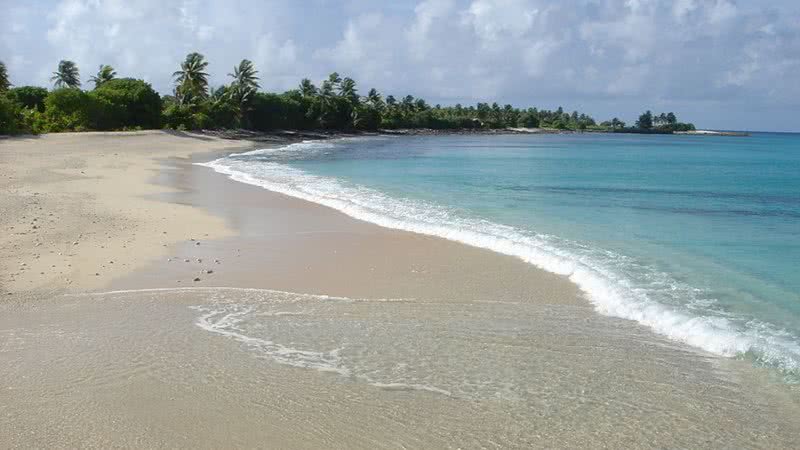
433,344
292,245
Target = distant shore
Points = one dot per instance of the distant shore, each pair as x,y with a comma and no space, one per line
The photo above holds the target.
278,136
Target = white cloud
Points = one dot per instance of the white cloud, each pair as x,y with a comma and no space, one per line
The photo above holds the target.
573,52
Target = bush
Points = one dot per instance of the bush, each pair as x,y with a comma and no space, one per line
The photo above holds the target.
223,114
29,96
186,117
67,109
126,103
271,111
9,116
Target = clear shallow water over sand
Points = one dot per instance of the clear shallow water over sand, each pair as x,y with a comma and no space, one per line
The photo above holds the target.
222,367
698,238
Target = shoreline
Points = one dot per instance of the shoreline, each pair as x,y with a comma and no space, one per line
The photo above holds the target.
597,378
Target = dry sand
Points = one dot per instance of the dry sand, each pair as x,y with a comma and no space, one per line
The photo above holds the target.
75,209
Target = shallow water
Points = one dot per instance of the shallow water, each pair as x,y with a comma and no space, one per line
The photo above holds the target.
697,238
212,367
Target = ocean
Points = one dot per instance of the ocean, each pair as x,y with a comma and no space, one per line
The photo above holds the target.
695,237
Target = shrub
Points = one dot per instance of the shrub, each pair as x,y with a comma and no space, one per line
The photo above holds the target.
67,109
29,96
223,114
9,116
126,103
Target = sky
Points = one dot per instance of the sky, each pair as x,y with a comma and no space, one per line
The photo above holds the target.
722,64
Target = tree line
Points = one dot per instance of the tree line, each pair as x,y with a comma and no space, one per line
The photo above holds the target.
126,104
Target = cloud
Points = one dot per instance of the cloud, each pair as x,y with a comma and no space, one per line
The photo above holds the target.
604,56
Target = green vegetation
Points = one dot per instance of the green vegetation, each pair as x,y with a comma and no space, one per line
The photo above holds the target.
104,73
31,97
4,82
336,104
67,75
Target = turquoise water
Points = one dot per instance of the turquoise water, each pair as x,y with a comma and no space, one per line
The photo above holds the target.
697,237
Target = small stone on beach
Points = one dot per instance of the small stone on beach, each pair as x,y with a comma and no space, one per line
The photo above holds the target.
197,279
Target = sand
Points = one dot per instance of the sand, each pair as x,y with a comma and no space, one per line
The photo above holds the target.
76,209
434,344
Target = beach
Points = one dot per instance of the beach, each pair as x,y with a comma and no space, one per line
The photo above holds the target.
150,302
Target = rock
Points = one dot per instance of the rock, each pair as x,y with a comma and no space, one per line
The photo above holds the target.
196,243
209,271
197,279
199,260
75,243
186,260
97,274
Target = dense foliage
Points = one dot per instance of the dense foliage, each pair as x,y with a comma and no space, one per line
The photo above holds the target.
31,97
127,103
4,82
336,104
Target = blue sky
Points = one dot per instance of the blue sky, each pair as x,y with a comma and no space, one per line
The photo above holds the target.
719,63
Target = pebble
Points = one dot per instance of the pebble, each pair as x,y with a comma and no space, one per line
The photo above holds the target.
209,271
197,279
186,260
75,243
196,243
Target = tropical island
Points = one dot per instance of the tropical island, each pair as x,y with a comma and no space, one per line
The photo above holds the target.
132,104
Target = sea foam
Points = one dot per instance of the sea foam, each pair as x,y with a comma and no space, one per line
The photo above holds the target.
616,285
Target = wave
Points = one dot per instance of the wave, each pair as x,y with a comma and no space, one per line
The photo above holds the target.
616,285
244,323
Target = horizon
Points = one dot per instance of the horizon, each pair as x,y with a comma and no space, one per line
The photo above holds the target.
611,58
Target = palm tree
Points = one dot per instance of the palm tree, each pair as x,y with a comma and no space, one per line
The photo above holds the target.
244,75
4,83
307,88
374,98
334,79
67,75
104,73
245,83
327,89
191,80
347,89
327,103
